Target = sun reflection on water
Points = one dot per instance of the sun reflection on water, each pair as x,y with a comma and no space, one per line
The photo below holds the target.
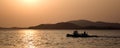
28,38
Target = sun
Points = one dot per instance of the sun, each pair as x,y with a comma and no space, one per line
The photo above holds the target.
29,2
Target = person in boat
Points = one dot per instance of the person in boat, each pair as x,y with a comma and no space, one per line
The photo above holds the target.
75,32
84,34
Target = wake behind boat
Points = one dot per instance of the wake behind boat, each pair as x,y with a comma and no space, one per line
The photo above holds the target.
76,34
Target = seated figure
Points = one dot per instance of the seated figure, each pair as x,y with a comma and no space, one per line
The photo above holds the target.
75,32
84,34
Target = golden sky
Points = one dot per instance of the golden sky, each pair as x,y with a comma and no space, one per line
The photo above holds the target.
24,13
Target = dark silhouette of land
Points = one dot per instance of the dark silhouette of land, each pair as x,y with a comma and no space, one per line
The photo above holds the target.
78,24
13,28
62,25
2,28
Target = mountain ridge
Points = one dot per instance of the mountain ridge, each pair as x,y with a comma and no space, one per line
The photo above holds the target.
91,23
78,24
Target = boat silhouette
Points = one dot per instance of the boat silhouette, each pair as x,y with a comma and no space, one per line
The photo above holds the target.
76,34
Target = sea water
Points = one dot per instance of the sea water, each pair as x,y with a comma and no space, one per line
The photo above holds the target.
35,38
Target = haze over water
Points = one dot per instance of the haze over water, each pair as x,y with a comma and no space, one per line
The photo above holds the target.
30,38
24,13
35,13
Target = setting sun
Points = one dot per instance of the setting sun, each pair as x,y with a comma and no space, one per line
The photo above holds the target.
59,23
29,2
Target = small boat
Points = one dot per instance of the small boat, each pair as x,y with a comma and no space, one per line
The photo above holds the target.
76,34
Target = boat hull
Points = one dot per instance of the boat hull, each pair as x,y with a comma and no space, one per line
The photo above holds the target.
70,35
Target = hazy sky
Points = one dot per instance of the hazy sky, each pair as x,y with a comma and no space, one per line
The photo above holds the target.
23,13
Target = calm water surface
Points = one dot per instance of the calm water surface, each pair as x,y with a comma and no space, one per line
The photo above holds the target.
29,38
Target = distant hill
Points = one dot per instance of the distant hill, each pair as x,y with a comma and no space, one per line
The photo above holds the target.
3,28
82,23
12,28
96,25
78,24
62,25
